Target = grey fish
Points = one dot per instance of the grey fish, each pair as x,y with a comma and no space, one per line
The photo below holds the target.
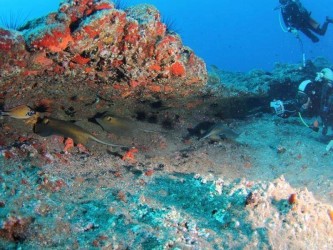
50,126
219,131
116,125
120,125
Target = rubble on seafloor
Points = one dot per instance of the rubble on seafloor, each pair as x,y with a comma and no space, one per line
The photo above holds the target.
163,211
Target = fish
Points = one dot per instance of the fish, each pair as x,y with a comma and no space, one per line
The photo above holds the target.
219,131
19,112
198,130
116,125
120,125
49,126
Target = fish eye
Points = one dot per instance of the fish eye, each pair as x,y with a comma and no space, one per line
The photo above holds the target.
46,121
31,113
109,118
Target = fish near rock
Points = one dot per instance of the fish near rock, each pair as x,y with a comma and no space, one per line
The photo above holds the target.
116,125
121,125
50,126
220,131
19,112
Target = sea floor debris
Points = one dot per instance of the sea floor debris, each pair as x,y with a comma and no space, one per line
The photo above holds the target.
183,194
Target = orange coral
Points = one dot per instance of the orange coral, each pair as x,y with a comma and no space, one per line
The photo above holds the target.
177,69
30,73
168,89
102,6
129,155
80,59
134,83
155,67
88,69
92,32
330,214
160,29
149,172
132,33
55,41
42,60
69,143
292,199
155,88
58,69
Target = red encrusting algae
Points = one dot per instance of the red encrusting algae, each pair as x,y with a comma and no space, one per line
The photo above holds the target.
131,45
177,69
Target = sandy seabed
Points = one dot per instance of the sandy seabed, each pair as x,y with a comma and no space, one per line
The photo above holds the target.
270,188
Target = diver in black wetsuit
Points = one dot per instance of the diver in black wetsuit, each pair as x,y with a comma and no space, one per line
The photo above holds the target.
296,17
314,97
326,99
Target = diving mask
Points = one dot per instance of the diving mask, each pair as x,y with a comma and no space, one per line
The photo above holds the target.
302,98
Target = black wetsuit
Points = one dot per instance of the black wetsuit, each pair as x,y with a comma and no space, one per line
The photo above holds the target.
314,92
326,107
297,17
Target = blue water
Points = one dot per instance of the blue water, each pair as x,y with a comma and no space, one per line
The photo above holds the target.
233,35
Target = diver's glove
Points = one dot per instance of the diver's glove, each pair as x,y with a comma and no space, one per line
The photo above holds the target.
292,30
319,77
295,32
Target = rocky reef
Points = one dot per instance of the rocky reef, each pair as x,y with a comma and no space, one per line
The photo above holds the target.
168,187
128,53
237,94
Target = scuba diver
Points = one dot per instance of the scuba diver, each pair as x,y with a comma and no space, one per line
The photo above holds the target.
296,17
326,99
314,97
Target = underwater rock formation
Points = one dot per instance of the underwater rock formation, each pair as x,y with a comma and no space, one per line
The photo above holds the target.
259,82
238,94
129,50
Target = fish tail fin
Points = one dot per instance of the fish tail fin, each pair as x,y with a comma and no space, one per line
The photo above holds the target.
204,136
106,143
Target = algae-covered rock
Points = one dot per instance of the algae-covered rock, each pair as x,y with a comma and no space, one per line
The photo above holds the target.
128,50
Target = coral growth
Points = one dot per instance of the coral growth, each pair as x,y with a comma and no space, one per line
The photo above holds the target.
117,47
